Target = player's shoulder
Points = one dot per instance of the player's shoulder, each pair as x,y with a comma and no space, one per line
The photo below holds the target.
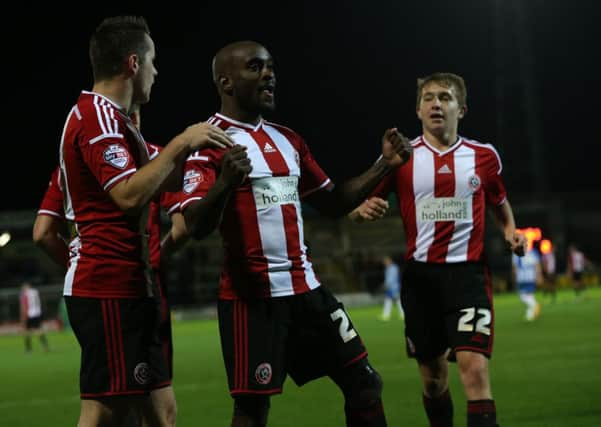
485,147
418,140
99,115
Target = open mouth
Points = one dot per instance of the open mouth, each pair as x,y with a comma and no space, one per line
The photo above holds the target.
267,90
436,116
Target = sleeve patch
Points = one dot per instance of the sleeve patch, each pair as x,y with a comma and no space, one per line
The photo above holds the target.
116,155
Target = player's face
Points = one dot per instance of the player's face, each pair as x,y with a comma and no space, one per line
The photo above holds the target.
144,78
254,80
439,109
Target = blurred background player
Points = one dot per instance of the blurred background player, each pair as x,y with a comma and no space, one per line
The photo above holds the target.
549,268
31,316
527,274
577,263
392,288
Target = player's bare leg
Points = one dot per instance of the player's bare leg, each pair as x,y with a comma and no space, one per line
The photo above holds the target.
107,412
436,396
161,409
473,371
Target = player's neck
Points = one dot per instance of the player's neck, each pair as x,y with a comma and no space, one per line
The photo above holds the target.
115,90
240,115
442,141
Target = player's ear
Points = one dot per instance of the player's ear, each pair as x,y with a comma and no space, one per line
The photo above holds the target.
463,111
226,84
132,64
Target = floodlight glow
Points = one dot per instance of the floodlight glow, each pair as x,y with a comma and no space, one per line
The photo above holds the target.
4,238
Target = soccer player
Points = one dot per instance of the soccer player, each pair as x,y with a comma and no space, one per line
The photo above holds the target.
549,268
31,316
392,288
275,318
527,274
108,185
576,265
442,194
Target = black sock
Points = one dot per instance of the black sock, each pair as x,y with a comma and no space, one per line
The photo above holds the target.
439,409
28,343
481,413
371,416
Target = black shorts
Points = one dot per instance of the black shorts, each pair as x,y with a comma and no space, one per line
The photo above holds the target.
165,334
121,352
447,306
33,322
307,336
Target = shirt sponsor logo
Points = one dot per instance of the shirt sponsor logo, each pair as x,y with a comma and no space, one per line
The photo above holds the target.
444,209
191,180
273,191
116,155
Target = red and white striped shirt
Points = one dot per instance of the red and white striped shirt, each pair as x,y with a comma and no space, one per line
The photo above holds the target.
576,261
442,199
30,303
52,203
262,225
100,147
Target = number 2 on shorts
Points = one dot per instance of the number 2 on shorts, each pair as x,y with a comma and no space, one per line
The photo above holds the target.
345,333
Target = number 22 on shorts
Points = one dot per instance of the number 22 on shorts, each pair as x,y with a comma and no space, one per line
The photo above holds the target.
466,322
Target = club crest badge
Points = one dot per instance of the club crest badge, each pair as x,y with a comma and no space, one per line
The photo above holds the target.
474,182
142,373
263,373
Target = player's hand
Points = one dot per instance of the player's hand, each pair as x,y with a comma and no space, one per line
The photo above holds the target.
235,166
204,135
370,210
396,148
516,243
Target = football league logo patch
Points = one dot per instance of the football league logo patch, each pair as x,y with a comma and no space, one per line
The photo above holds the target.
117,156
191,180
263,373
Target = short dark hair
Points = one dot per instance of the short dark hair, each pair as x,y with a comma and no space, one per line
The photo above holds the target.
113,40
447,80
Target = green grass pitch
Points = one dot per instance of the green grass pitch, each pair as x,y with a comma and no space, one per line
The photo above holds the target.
544,374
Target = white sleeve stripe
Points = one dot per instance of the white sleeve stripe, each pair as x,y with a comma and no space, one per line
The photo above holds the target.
191,199
77,112
121,175
51,213
325,183
173,208
105,135
197,157
99,116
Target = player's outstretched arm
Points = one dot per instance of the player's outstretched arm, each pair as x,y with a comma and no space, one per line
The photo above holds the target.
134,193
371,209
341,199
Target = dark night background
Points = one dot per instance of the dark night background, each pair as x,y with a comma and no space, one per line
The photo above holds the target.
346,70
